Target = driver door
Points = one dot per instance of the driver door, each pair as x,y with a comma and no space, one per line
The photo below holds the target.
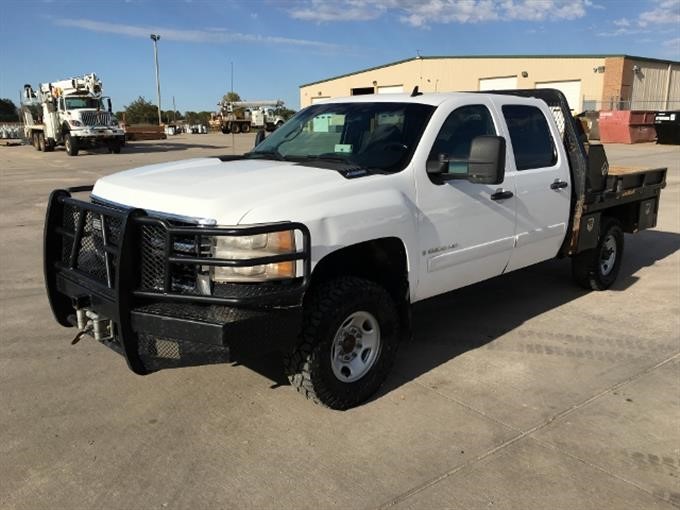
466,231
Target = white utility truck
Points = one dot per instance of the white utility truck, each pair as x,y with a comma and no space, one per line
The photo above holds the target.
242,116
317,241
72,113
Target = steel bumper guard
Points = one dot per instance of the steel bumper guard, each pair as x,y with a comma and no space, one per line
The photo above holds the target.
93,256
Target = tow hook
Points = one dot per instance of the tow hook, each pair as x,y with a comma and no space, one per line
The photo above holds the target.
80,335
91,323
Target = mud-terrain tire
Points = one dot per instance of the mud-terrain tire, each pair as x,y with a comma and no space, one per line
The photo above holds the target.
348,343
597,269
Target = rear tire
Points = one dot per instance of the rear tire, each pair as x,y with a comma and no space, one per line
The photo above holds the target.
597,269
41,142
71,145
34,141
245,128
49,145
348,343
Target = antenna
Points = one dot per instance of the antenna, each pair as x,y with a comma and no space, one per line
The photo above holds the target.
416,92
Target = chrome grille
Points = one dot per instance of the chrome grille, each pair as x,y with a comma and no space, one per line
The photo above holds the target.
96,118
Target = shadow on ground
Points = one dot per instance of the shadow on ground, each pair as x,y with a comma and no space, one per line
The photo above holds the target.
144,148
163,146
477,315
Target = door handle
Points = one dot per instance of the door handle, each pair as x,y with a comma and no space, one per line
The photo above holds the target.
559,184
502,194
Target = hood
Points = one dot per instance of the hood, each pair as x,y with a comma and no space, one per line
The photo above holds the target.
209,188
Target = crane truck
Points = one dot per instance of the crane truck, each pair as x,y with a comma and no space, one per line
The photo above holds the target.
72,113
241,116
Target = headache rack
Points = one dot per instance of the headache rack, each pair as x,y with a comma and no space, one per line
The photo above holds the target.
119,261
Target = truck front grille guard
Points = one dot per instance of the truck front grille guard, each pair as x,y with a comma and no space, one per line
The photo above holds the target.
87,237
97,248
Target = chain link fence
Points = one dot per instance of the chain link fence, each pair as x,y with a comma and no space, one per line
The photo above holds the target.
618,104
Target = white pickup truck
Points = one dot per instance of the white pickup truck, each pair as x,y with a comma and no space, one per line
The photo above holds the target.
317,241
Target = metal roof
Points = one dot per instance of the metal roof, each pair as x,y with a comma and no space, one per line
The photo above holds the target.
433,57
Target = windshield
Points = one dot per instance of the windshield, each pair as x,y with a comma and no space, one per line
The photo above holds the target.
76,103
377,136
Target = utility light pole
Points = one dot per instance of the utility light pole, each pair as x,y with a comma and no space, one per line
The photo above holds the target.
155,38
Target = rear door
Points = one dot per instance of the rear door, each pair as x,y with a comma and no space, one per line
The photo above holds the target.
466,233
542,181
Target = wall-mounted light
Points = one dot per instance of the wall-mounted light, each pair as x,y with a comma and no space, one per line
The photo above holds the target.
637,70
525,74
598,69
375,83
319,92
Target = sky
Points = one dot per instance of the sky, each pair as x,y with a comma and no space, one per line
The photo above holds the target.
277,45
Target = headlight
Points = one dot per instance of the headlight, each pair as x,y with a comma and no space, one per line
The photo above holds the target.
75,123
250,247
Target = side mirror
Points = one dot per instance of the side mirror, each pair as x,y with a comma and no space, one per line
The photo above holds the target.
259,137
487,160
108,104
486,164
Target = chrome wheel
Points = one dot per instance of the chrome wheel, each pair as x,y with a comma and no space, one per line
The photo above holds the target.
608,255
356,347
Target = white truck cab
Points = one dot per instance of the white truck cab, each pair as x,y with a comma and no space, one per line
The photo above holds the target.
318,240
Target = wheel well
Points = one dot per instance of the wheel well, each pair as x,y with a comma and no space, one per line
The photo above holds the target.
380,260
627,214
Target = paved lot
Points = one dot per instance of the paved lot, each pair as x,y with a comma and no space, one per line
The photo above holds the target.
557,398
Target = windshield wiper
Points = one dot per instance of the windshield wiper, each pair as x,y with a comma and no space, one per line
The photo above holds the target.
266,155
328,157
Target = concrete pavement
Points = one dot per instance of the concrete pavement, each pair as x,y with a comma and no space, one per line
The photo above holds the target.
521,392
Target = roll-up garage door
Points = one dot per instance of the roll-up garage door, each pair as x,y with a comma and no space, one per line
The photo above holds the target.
391,89
503,83
571,89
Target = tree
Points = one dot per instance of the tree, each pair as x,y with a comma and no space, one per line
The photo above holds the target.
141,111
204,117
8,111
284,112
230,97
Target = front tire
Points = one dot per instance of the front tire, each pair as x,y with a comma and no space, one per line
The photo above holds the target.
349,340
597,269
70,145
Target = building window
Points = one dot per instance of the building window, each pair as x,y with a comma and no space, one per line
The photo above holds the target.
360,91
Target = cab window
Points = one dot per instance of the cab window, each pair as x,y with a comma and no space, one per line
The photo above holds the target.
532,142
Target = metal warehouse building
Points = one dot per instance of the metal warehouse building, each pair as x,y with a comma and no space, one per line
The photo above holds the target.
590,82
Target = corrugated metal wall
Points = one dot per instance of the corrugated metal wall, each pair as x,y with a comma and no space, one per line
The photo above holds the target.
674,96
650,86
